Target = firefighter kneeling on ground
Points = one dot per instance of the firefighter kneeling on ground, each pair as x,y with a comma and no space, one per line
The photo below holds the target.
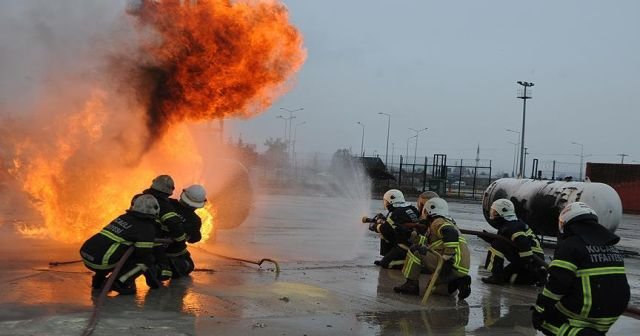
102,251
444,238
191,198
587,288
393,229
519,247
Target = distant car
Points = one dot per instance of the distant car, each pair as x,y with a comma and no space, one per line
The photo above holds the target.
457,184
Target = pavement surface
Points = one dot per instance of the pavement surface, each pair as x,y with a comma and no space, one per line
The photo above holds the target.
328,284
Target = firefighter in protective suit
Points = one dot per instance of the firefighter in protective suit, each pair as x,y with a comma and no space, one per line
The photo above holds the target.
445,239
192,198
519,247
587,288
394,229
169,225
102,251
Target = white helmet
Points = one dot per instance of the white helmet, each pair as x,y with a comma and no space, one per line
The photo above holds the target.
503,208
163,183
145,204
573,210
393,197
436,207
194,196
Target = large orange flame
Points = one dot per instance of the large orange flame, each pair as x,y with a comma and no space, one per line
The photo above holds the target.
216,59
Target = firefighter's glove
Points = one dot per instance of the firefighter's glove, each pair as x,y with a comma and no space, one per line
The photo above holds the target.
373,226
378,216
422,250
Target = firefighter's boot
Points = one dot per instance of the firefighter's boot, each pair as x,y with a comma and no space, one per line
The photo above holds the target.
411,287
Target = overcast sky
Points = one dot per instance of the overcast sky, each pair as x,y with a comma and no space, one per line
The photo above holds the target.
452,66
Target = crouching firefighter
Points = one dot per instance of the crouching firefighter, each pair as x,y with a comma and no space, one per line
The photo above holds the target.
518,247
444,238
192,198
587,288
393,229
102,251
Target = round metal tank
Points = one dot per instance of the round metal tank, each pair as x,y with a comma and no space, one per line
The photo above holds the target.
538,202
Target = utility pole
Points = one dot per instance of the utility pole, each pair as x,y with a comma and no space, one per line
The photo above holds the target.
515,157
386,153
361,141
622,157
522,94
524,163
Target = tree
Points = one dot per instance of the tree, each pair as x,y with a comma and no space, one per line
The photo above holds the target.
276,154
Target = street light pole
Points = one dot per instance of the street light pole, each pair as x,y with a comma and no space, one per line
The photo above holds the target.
581,156
386,153
407,151
415,153
523,95
515,159
622,157
362,141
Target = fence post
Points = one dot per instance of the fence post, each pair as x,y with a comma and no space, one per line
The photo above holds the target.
473,192
424,175
553,171
460,179
400,173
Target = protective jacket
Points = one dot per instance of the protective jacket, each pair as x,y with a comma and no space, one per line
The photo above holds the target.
191,224
170,224
522,237
443,237
393,229
104,249
587,286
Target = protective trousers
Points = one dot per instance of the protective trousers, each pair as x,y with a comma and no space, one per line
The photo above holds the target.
565,329
182,265
414,263
516,272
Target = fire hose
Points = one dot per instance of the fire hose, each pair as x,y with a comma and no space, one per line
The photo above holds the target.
434,277
93,321
259,262
630,311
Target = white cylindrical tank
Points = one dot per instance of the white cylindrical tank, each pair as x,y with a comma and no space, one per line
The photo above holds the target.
538,203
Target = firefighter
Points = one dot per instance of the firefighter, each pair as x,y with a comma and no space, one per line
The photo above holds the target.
393,229
191,198
423,198
587,288
169,225
519,247
102,251
444,238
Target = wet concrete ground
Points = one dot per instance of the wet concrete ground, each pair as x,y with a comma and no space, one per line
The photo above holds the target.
327,285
